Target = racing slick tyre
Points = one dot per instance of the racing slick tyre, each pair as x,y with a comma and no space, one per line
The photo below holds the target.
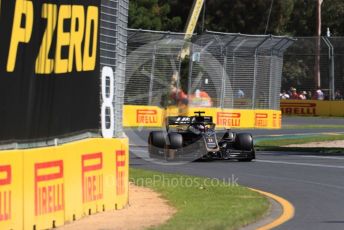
244,141
249,158
156,143
176,140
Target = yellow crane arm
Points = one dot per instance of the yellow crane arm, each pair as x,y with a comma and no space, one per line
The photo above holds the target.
191,24
189,30
193,18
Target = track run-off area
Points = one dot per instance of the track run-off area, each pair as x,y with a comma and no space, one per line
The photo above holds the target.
312,183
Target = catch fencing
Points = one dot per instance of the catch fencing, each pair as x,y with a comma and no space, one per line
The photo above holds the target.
113,48
240,71
301,60
235,71
153,58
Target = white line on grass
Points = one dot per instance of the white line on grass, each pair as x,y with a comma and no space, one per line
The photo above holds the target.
322,157
301,164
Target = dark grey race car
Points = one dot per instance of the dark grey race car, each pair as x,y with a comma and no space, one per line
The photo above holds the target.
193,138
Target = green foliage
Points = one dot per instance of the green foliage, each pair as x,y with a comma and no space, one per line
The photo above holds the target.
288,17
282,141
279,143
333,17
151,14
247,16
302,20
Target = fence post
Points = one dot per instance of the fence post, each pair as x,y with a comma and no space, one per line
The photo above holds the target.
333,86
190,71
150,93
272,81
225,68
179,76
224,73
331,69
255,72
275,86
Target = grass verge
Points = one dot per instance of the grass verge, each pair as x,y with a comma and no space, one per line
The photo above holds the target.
341,127
276,144
204,203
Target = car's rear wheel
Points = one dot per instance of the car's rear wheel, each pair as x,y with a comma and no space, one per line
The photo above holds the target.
176,140
244,142
156,143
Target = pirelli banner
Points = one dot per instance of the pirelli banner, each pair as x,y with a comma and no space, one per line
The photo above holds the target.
47,187
312,108
50,72
152,116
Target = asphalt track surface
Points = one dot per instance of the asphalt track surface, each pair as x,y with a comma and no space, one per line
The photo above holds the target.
313,183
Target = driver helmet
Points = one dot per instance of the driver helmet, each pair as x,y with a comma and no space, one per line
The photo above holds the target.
201,127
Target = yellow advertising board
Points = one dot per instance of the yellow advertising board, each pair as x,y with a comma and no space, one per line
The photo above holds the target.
94,187
228,118
267,119
223,118
276,119
11,190
121,175
45,187
234,118
312,108
337,108
142,116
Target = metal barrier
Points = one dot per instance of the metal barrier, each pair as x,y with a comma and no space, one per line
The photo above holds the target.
153,58
113,43
235,71
242,71
300,60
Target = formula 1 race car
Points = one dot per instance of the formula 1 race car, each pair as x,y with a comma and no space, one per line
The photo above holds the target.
193,138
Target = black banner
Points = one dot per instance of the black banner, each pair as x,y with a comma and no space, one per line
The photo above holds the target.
49,68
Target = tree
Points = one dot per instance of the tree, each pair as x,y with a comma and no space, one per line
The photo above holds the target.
288,17
333,17
302,20
152,15
247,16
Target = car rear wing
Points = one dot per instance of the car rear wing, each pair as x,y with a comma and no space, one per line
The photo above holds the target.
184,120
179,120
203,119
